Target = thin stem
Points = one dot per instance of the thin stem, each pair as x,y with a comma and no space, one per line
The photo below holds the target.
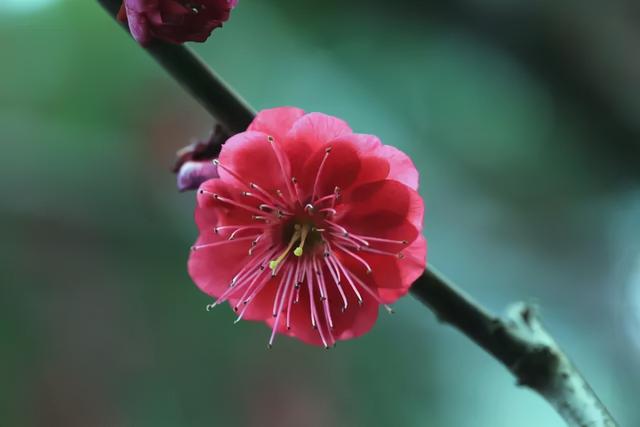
518,341
216,96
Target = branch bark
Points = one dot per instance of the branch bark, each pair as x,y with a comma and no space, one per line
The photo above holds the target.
213,93
518,341
522,344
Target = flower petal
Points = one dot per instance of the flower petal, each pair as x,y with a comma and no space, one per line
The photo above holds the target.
380,206
308,134
409,268
373,167
402,168
213,268
250,155
340,169
211,212
276,121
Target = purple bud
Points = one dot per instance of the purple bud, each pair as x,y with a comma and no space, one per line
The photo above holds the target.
194,164
193,173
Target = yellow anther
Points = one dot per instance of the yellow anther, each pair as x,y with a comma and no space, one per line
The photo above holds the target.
273,264
298,251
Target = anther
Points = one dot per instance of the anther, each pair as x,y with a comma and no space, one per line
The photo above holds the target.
303,237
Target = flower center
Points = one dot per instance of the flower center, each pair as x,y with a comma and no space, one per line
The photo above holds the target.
301,234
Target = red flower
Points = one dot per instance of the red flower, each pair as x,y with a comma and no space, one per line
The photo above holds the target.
174,21
309,228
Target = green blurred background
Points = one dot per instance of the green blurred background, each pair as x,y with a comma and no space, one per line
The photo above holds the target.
523,117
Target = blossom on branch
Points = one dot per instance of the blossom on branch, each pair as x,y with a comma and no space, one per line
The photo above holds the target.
174,21
309,227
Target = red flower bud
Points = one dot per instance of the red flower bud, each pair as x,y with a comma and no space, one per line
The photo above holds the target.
174,21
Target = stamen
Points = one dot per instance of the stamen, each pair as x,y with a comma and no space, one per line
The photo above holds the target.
296,188
233,202
247,302
264,192
336,278
347,275
373,294
337,226
378,239
356,257
327,197
286,279
294,289
281,157
259,198
398,255
323,291
336,193
220,228
273,264
224,242
329,211
233,235
314,312
320,168
230,172
304,233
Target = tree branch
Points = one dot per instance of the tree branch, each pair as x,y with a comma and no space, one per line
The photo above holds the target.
216,96
519,341
522,345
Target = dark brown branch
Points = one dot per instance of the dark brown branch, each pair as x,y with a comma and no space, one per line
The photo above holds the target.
196,77
518,340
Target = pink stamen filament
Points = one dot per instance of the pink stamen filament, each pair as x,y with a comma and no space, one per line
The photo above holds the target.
265,193
314,312
338,227
356,257
247,302
319,173
236,204
233,235
373,294
277,313
261,199
336,279
323,291
296,189
347,275
325,198
398,255
280,156
378,239
221,243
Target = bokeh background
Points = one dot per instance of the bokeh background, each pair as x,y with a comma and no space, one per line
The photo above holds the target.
523,117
